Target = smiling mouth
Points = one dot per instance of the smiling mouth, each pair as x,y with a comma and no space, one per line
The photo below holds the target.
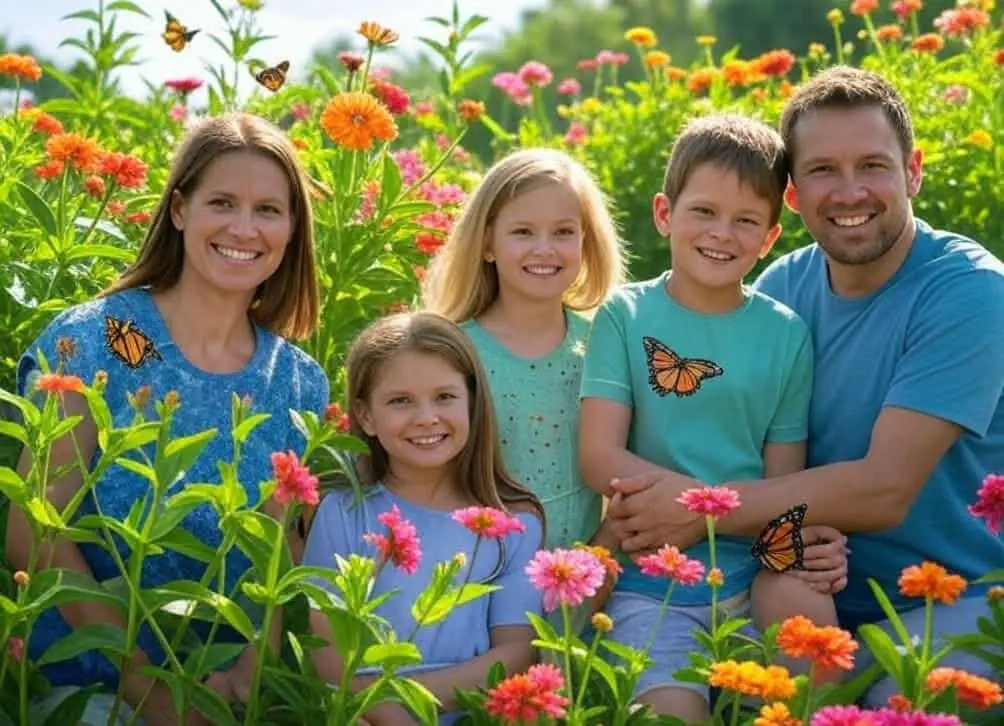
542,270
428,442
848,222
237,255
715,255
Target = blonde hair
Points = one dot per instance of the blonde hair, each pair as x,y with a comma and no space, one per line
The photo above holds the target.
288,302
460,284
479,465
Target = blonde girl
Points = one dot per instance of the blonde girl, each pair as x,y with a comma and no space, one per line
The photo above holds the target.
532,254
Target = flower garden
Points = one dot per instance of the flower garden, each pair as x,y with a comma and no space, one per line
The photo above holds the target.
388,171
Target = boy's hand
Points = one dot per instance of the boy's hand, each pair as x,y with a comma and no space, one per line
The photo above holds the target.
645,515
825,559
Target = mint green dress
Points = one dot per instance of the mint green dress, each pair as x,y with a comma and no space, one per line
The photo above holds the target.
537,407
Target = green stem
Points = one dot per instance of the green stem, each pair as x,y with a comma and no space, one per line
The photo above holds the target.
566,621
662,614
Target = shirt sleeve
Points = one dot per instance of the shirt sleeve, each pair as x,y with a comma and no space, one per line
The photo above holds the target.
773,281
606,371
791,420
71,346
518,596
950,367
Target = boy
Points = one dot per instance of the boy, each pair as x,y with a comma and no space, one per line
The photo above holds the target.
695,373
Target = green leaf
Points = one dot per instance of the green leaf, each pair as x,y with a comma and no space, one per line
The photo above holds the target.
248,425
68,711
184,590
109,639
418,699
392,655
12,485
883,649
98,251
992,576
54,587
39,209
426,613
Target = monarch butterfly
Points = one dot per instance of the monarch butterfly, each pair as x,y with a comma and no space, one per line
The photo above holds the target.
779,546
273,77
128,343
669,373
175,34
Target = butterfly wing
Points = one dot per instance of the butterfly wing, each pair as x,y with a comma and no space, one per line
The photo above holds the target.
663,366
274,77
693,371
779,546
176,35
127,343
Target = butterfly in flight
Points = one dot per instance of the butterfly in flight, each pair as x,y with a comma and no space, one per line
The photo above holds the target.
175,34
273,77
670,373
779,546
128,343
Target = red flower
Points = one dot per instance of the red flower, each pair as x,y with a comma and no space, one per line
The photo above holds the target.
294,482
990,502
670,562
488,522
400,545
129,172
57,383
393,96
184,86
525,697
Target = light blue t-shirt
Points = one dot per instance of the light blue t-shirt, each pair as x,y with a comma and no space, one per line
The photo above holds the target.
754,370
931,340
339,526
279,377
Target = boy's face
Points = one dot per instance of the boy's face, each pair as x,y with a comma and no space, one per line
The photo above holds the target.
718,228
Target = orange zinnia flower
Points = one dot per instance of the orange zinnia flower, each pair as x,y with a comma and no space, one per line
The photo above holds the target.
57,383
972,690
701,79
128,171
776,714
932,581
376,34
353,119
20,66
864,7
606,559
772,683
928,43
775,63
74,148
470,110
827,647
47,125
889,33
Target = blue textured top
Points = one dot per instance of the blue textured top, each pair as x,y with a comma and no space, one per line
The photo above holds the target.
279,377
339,526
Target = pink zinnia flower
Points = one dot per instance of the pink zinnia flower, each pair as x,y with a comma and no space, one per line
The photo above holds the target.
844,716
710,501
535,73
525,697
411,165
569,87
15,647
294,482
587,64
891,717
400,545
300,111
394,97
565,577
670,562
178,112
610,58
488,522
577,133
990,502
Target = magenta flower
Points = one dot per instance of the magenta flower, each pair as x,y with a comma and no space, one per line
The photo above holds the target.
610,58
844,716
990,502
400,545
565,577
488,522
293,481
184,86
569,87
710,501
670,562
891,717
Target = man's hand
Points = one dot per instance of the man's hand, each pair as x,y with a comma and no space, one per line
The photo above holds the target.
645,515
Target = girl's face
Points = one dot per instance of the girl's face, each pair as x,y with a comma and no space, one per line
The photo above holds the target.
536,243
236,223
419,410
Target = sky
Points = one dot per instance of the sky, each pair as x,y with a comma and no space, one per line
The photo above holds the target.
301,26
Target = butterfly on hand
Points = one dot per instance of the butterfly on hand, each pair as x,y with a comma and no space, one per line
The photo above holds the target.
779,546
176,35
273,77
128,343
670,373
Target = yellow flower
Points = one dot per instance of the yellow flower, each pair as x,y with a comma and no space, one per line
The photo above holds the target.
591,104
641,36
706,40
602,623
981,139
251,5
657,59
835,17
376,34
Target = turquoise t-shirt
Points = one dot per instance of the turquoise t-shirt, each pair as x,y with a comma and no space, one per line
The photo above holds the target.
749,383
279,377
537,407
930,340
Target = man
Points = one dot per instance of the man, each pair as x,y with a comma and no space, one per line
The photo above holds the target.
908,331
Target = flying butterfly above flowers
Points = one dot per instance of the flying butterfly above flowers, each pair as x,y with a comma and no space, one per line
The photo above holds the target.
671,373
271,77
176,35
779,546
128,343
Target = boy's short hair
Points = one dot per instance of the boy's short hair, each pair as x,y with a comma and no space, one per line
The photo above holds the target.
847,87
750,148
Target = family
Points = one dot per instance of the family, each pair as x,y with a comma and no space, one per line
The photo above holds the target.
855,382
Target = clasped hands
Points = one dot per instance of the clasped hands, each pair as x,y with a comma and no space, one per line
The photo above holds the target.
644,515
